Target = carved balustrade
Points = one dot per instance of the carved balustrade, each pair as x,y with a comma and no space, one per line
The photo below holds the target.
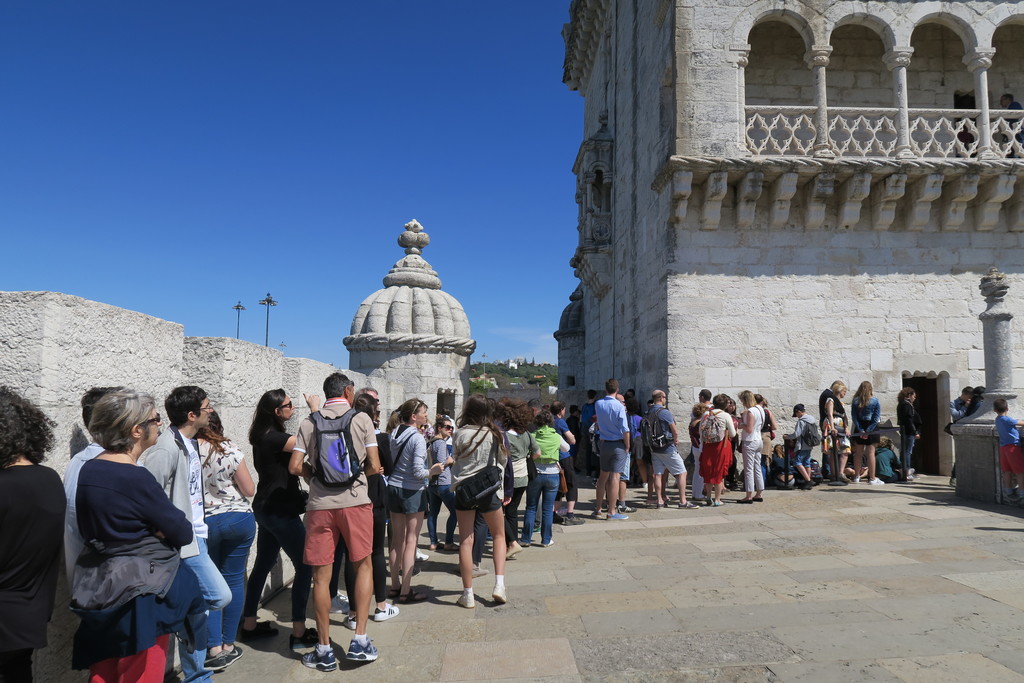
873,132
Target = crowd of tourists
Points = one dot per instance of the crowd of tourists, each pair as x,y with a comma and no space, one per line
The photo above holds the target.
157,516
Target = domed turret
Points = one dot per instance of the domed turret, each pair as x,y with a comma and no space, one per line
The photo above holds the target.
412,329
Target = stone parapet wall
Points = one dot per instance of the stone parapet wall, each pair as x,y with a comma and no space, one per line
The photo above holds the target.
53,347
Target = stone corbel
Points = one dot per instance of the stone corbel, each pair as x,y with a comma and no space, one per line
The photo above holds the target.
851,197
1015,213
923,193
715,188
961,192
747,193
821,188
890,191
682,187
781,197
991,198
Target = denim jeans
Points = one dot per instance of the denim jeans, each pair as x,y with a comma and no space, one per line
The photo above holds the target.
546,486
217,596
907,448
277,533
231,536
436,495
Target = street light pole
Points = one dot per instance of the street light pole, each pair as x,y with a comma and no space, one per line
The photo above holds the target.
268,302
238,317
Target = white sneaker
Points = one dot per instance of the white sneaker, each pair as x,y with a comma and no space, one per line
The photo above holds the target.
469,602
339,605
421,556
349,623
385,614
911,471
856,480
499,595
877,482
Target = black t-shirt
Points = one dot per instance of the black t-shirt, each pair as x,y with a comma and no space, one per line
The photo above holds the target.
277,490
32,506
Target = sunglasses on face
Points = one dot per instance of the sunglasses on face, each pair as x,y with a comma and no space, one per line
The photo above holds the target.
286,405
152,421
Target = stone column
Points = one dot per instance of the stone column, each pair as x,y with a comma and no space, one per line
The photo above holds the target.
977,445
978,63
898,59
995,322
817,60
738,55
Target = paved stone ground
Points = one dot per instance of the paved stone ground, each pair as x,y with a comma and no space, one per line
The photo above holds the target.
894,583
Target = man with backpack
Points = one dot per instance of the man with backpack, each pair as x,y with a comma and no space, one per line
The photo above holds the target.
806,435
334,449
658,430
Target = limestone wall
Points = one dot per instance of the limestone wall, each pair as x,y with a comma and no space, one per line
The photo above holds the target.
53,347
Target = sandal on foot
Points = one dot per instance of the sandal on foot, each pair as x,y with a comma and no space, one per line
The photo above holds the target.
410,598
394,592
687,505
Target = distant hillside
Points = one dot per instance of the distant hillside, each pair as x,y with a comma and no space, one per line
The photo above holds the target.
540,374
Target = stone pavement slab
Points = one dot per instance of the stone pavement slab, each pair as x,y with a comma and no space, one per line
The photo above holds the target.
905,583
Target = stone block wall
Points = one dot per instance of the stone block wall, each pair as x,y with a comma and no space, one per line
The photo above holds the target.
53,347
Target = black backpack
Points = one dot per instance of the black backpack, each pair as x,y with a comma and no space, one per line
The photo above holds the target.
336,465
811,435
651,432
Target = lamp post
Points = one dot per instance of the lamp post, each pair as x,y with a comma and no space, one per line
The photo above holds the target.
238,308
268,302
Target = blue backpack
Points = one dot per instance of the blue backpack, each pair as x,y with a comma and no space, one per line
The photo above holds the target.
337,464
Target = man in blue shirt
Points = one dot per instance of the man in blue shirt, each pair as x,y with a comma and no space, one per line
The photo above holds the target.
613,429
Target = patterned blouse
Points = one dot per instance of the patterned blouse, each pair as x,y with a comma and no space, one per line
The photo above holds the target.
218,476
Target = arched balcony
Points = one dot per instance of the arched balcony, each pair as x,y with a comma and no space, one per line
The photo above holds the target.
860,94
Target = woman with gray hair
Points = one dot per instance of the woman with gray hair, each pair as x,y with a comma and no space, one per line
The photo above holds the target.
132,532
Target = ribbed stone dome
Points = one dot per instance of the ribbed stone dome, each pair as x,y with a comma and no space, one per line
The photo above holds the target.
571,321
411,313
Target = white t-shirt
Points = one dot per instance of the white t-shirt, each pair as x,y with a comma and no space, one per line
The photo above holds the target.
754,436
195,490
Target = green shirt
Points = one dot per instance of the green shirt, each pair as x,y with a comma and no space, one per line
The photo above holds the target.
549,440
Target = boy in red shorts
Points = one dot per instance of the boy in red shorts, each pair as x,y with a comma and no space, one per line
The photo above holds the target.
1011,455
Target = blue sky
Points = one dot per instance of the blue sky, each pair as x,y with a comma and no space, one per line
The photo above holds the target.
176,157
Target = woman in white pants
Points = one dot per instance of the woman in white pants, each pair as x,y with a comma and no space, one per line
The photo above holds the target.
751,445
697,481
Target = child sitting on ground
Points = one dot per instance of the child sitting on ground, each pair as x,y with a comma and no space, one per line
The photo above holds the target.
887,463
1011,455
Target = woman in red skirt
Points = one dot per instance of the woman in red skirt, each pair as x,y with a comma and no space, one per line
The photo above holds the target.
717,431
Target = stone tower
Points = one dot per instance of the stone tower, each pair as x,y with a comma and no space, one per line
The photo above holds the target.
413,333
776,194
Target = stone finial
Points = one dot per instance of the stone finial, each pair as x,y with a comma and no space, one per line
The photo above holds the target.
411,270
994,286
413,239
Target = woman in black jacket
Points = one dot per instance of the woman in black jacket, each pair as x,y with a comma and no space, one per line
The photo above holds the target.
910,427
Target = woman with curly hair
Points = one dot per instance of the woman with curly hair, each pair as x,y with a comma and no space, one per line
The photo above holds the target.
31,533
517,418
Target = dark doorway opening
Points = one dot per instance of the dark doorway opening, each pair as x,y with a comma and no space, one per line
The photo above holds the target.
446,402
926,450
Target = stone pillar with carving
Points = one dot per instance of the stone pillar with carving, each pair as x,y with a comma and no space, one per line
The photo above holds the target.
817,60
977,445
898,59
978,63
738,56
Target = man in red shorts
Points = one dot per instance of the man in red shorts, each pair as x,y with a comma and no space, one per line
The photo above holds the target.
338,510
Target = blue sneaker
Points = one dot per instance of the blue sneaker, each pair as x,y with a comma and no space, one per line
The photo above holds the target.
361,653
618,515
314,660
